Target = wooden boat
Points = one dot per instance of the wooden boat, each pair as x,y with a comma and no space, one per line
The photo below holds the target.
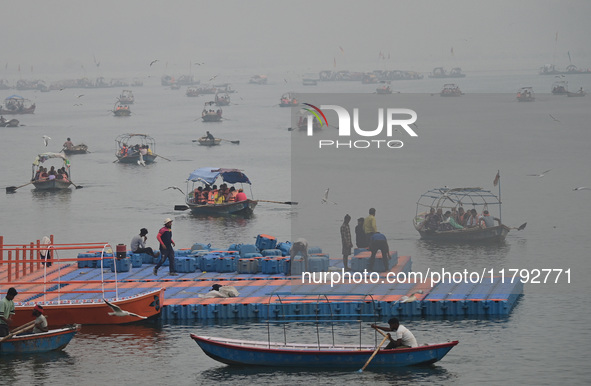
450,90
207,89
560,87
302,121
192,92
225,88
259,353
121,110
526,94
77,149
208,176
288,100
204,141
579,93
210,113
10,123
45,183
136,149
93,311
222,99
16,104
384,88
309,82
51,340
126,97
452,199
258,79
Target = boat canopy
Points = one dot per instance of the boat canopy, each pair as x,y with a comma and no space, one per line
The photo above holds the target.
210,175
45,156
14,96
455,197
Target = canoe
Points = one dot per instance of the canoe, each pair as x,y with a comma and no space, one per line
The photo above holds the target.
494,234
576,94
55,184
259,353
242,207
37,343
92,311
78,149
203,141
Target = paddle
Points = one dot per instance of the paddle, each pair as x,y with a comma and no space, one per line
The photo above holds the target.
157,155
181,207
520,228
374,354
12,189
76,186
280,202
234,142
18,330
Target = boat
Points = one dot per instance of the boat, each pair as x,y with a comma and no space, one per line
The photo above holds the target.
309,82
320,356
384,88
210,113
59,181
192,92
121,110
10,123
136,149
258,79
440,73
288,100
77,149
560,87
208,176
126,97
456,72
222,99
526,94
224,88
579,93
204,141
452,199
450,90
51,340
16,104
207,89
302,121
93,311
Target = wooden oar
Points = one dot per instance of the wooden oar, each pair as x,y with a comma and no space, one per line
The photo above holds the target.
234,142
181,207
157,155
18,330
76,186
520,228
12,189
280,202
373,355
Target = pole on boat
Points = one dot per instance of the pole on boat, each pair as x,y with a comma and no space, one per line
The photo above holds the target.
18,330
373,355
500,201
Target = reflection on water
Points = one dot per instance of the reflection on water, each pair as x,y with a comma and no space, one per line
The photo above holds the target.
465,255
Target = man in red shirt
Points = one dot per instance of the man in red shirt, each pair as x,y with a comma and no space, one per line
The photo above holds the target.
166,247
241,196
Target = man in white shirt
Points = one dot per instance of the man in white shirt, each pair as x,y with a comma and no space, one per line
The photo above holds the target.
138,244
40,321
403,337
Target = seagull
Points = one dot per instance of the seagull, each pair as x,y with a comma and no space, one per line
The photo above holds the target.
141,160
80,96
582,188
555,120
325,198
213,77
539,175
175,187
46,139
153,61
119,312
411,298
199,64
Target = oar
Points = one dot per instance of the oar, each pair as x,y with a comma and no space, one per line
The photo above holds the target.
181,207
12,189
234,142
157,155
280,202
373,355
520,228
18,330
76,186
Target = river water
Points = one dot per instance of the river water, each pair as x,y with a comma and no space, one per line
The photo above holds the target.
461,142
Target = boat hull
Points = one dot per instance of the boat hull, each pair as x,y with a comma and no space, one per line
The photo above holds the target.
209,142
576,94
242,207
211,118
28,110
134,159
122,113
78,149
92,311
39,343
493,234
52,184
246,353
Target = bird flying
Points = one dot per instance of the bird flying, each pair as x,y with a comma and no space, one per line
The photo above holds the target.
119,312
213,77
555,120
153,61
539,175
46,139
174,187
325,198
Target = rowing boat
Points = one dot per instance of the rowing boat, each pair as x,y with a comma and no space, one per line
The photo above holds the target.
51,340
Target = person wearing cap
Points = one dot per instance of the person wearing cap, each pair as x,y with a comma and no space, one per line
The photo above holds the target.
166,248
40,320
138,244
6,311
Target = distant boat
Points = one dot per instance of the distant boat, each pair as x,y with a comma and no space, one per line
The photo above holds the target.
16,104
77,149
222,99
439,72
136,149
192,92
526,94
309,82
384,88
121,110
450,90
579,93
288,100
126,97
258,79
560,87
55,182
210,113
204,141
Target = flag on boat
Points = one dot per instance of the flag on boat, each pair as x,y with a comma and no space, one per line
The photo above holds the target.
497,178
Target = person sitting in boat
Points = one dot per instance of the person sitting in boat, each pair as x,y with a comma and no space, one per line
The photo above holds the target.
40,320
212,195
460,216
487,221
232,194
472,220
220,198
449,222
224,191
68,144
219,112
209,136
241,196
403,337
143,150
52,173
43,175
197,195
38,174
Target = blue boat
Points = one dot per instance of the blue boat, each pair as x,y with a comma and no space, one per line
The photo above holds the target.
38,343
259,353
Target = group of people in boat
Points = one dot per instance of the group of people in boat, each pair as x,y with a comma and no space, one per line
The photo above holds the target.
457,219
125,150
15,105
212,111
43,174
211,195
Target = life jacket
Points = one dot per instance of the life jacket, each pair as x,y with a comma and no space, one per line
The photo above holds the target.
211,196
232,196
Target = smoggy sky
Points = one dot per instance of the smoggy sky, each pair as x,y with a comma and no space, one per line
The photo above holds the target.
65,37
